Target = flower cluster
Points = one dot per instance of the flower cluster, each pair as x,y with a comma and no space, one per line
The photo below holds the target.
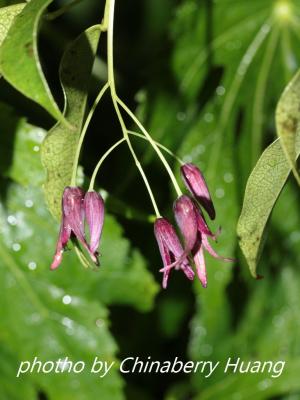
193,227
80,209
77,208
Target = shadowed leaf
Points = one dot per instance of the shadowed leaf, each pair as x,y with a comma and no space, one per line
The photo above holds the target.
287,121
263,189
7,15
59,148
19,60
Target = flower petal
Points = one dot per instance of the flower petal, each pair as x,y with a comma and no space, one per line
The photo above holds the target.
63,238
186,218
195,183
200,266
94,213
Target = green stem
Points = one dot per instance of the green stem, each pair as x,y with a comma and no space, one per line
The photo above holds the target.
140,135
111,80
153,144
92,182
83,133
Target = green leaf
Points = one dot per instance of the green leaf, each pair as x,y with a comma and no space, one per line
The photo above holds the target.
59,148
235,64
19,60
287,121
7,15
263,189
254,386
272,308
20,143
9,361
38,321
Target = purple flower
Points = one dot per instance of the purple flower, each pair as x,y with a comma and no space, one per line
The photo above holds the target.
94,213
195,182
195,232
184,211
190,221
76,205
171,250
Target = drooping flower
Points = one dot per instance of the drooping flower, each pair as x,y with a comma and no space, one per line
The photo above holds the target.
171,250
186,220
194,229
76,205
196,184
190,221
94,214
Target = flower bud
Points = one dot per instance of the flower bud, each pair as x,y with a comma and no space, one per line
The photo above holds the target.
186,218
195,183
94,214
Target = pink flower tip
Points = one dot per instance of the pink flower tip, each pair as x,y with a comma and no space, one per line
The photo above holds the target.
196,184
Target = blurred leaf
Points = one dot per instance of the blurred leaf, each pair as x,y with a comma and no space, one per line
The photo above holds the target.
171,313
19,60
20,144
7,15
287,121
254,386
53,315
8,374
273,309
59,147
37,309
232,61
263,188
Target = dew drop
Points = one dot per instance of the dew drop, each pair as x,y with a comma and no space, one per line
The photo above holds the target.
67,322
220,193
67,299
36,148
32,265
28,203
200,330
208,117
12,220
228,177
16,247
220,90
99,322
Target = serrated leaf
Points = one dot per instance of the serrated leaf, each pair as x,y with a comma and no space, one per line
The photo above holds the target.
263,189
19,59
7,15
38,321
59,147
287,121
122,267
